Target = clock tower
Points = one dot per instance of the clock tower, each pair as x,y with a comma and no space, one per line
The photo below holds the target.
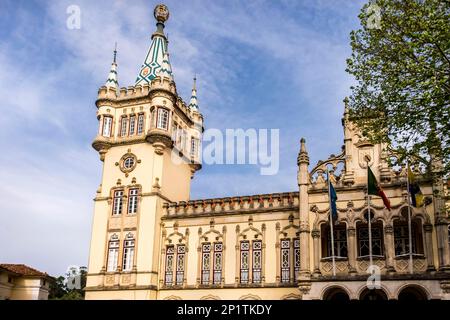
148,141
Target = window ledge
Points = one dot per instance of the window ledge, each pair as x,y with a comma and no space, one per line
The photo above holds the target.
374,257
406,256
326,259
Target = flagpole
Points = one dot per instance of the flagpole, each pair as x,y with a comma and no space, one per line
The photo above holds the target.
369,219
331,225
411,270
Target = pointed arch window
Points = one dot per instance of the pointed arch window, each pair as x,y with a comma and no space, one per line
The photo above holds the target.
377,240
285,260
113,254
170,253
217,263
206,262
296,258
245,261
181,252
257,261
128,253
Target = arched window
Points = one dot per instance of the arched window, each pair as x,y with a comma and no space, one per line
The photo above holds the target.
113,254
181,252
170,252
117,202
132,125
107,124
401,238
217,262
133,200
251,259
340,241
412,293
257,261
245,261
336,294
140,124
123,126
363,239
211,256
290,258
206,262
128,253
163,119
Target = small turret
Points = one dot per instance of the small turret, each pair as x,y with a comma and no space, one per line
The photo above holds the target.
193,103
111,82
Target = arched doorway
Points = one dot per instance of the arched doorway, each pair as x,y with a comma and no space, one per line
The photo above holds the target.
336,294
372,295
412,293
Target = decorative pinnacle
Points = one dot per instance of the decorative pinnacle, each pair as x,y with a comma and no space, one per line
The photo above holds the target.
161,13
303,154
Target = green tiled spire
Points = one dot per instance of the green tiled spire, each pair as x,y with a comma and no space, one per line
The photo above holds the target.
193,103
112,82
156,61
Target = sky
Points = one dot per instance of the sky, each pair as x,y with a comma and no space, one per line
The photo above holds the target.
259,64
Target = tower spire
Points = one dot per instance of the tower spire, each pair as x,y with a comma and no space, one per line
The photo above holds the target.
112,82
155,57
193,103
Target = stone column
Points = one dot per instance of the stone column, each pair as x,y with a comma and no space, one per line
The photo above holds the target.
277,253
428,230
389,247
316,246
441,226
351,249
303,181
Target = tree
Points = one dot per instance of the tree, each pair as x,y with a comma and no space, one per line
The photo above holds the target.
402,67
70,286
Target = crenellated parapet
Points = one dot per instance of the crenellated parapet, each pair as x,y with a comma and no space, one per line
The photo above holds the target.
232,205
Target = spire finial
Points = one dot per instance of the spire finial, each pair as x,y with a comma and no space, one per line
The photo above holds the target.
195,82
161,13
115,52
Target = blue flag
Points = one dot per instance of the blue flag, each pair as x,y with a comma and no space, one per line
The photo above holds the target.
333,198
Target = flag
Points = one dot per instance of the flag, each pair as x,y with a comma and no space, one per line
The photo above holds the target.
333,198
375,189
414,190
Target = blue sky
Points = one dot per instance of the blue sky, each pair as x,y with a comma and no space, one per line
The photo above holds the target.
259,64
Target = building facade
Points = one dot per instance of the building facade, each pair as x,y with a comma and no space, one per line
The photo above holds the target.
151,241
21,282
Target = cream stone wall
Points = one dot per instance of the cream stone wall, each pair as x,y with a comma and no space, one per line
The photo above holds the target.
23,288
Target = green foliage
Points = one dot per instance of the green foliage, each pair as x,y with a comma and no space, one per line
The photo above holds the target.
402,69
60,289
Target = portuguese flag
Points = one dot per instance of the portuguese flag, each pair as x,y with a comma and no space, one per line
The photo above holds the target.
375,189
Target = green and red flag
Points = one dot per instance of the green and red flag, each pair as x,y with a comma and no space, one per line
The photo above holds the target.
375,189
